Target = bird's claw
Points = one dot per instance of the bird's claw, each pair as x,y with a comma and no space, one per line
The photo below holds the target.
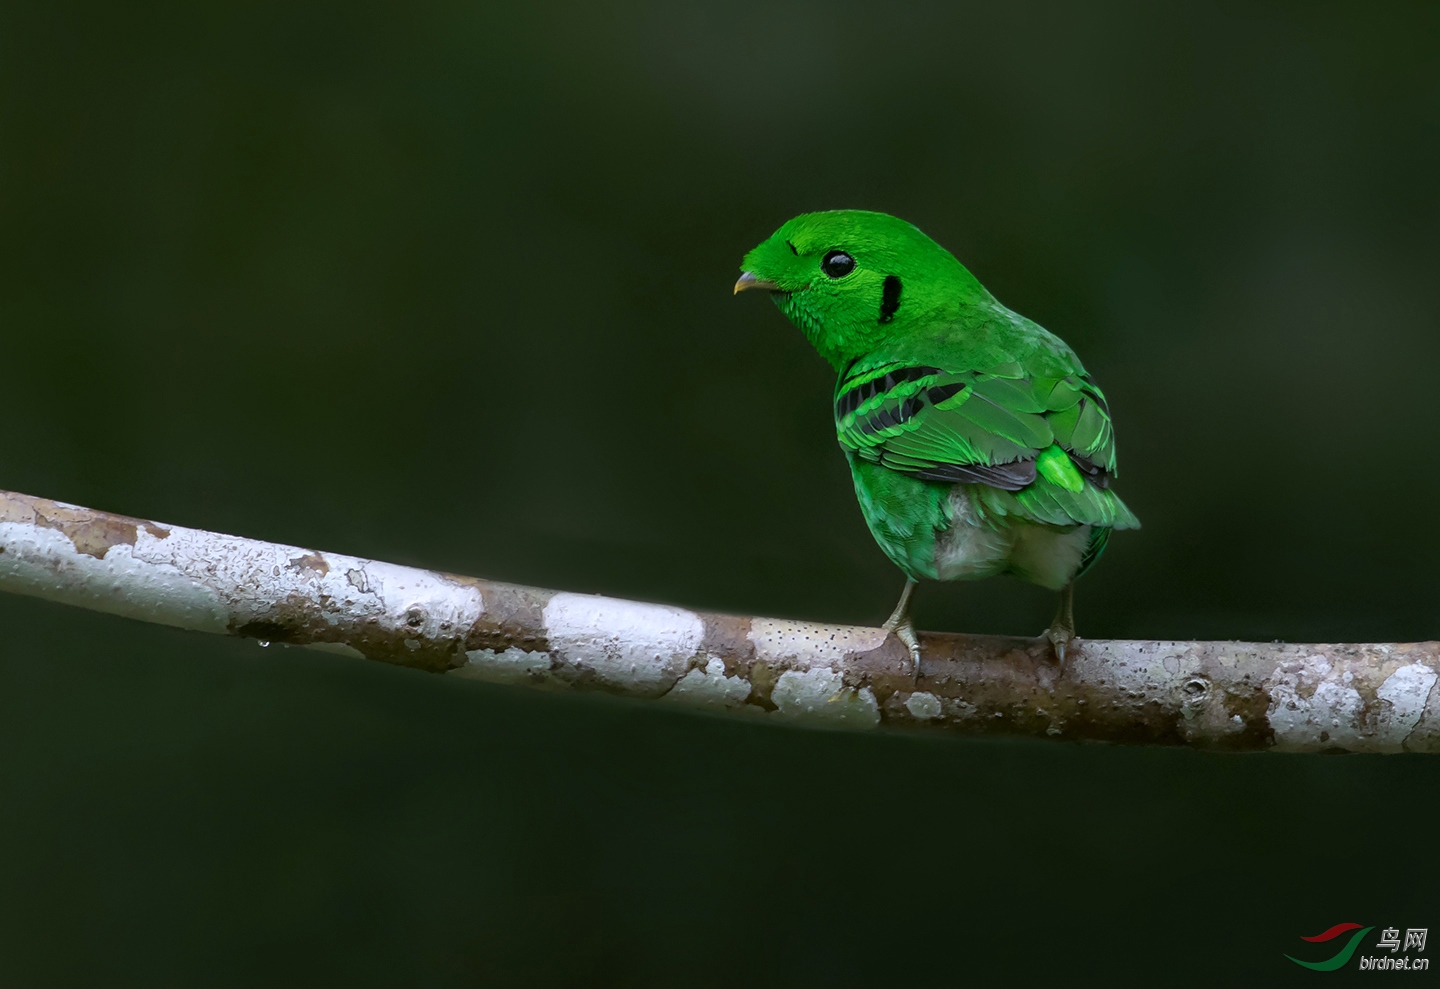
1060,639
905,632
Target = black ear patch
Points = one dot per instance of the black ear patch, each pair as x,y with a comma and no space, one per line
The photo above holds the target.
889,298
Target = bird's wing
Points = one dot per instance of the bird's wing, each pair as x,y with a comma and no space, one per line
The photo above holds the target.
1042,438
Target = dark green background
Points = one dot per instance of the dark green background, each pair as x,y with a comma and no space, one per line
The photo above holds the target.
449,284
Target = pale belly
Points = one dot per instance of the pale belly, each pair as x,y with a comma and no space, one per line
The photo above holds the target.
972,547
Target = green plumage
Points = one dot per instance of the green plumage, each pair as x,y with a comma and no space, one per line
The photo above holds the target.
978,442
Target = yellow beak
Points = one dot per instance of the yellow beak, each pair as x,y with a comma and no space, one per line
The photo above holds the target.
748,281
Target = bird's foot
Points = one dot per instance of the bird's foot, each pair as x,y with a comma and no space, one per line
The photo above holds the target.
899,623
1060,638
1062,627
904,630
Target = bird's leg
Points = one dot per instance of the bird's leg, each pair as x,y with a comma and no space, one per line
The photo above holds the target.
899,623
1062,627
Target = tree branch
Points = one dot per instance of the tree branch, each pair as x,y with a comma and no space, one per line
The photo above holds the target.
1219,695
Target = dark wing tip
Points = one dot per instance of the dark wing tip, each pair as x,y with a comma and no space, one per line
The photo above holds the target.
1014,476
1097,475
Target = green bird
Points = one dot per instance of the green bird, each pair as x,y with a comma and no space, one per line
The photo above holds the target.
978,442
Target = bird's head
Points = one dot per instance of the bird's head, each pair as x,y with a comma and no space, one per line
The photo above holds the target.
851,278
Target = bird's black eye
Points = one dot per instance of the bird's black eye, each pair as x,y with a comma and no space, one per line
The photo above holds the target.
837,264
